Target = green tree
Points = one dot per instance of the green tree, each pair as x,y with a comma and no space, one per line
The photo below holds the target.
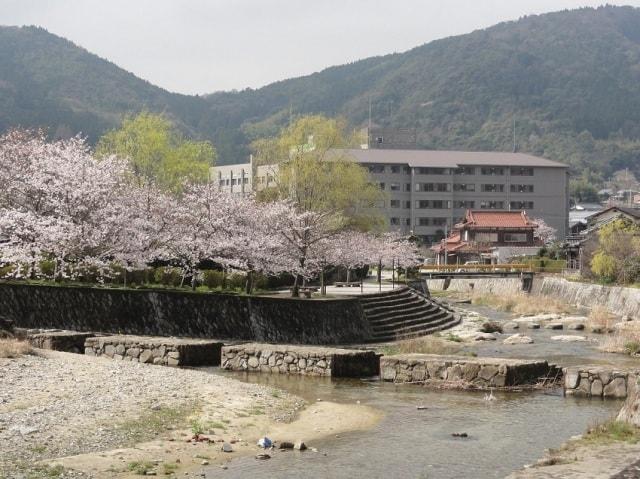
317,176
617,257
158,153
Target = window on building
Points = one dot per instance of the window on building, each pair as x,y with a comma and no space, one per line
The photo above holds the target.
465,170
395,168
492,205
521,188
428,187
424,221
380,139
432,171
521,171
394,186
492,170
221,182
438,221
407,204
246,181
495,188
464,187
394,203
521,205
406,169
467,204
407,187
407,221
227,181
376,168
484,237
382,185
515,237
394,221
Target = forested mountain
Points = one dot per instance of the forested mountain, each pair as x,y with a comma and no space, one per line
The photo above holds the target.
570,80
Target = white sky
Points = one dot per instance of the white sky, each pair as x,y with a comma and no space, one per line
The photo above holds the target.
201,46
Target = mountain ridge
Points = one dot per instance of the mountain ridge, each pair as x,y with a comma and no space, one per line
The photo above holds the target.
569,79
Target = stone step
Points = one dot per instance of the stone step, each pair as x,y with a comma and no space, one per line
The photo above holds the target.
372,310
402,322
414,329
414,334
401,316
399,311
386,301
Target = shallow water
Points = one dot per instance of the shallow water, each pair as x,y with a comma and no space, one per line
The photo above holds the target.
504,434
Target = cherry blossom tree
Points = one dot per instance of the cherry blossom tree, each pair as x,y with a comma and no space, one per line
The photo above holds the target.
544,232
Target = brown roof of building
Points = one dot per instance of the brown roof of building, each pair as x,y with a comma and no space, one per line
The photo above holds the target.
448,159
497,219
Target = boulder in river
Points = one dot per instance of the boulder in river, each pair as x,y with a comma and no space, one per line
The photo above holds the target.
518,339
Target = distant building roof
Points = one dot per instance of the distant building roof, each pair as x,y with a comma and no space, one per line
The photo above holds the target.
634,212
497,219
448,159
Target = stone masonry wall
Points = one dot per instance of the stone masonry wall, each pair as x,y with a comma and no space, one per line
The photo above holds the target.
598,382
308,361
186,314
619,300
162,351
484,372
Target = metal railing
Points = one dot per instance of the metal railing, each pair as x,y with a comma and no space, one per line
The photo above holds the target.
480,268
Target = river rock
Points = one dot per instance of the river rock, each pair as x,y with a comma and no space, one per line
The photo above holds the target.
568,338
226,447
576,326
533,325
300,446
518,339
630,411
554,326
617,388
484,337
511,325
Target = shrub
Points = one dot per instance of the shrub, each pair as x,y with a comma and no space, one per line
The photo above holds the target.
212,278
236,280
168,276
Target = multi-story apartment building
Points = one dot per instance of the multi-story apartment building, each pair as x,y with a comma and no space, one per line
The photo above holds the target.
429,191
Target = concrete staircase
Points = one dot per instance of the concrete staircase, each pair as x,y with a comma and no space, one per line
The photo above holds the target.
405,313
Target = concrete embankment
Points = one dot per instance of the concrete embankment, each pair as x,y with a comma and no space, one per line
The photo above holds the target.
462,370
617,299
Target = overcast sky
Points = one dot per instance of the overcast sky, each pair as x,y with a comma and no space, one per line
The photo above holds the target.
201,46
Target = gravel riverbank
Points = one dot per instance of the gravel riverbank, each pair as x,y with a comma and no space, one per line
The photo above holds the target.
56,405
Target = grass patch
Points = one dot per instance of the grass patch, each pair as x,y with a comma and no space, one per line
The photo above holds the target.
216,425
522,304
14,348
148,425
169,468
140,468
255,411
46,472
428,345
625,339
600,320
612,431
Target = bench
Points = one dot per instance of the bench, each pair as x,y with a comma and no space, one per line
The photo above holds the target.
306,291
347,284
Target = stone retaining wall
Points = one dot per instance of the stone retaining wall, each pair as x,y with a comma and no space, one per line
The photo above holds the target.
598,382
163,351
303,360
185,314
461,370
618,300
